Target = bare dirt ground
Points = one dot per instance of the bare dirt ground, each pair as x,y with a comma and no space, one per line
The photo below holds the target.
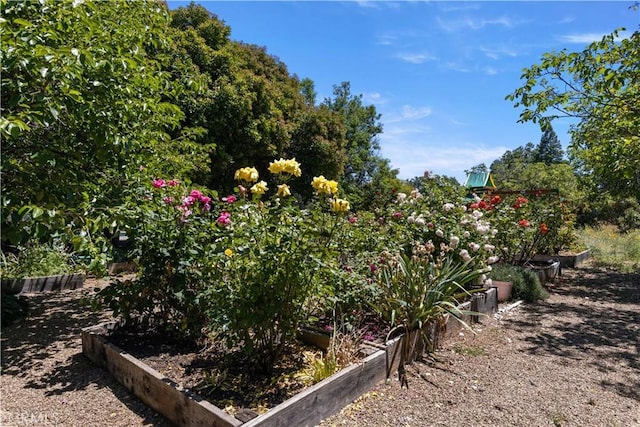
572,360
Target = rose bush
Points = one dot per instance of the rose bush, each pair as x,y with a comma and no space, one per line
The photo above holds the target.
172,229
277,258
246,268
525,226
250,267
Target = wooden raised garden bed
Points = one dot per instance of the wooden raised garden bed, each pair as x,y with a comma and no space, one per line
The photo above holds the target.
566,261
546,270
309,407
58,282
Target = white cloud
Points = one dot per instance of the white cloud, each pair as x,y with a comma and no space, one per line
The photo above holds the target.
456,67
584,38
406,115
499,52
587,38
387,40
416,58
374,98
465,23
490,71
450,159
411,113
457,7
567,20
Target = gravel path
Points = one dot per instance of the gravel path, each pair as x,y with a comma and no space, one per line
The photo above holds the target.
573,360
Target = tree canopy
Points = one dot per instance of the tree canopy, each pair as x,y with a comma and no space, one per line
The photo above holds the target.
600,87
86,101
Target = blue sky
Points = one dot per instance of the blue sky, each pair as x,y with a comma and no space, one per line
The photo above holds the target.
437,72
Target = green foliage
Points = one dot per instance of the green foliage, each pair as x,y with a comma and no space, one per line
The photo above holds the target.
86,102
239,268
599,87
253,110
526,284
417,291
279,257
343,350
317,367
172,239
366,173
37,260
549,150
612,249
277,254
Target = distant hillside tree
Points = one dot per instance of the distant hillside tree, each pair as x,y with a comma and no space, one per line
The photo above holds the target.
549,150
508,169
481,168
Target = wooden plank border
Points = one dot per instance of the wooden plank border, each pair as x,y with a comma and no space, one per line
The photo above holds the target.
57,282
307,408
154,389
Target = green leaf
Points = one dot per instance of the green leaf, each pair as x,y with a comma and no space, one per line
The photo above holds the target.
22,22
37,212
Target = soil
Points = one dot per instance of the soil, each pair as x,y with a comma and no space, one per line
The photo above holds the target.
227,379
572,360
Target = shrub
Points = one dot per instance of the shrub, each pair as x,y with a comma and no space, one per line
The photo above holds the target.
526,284
36,260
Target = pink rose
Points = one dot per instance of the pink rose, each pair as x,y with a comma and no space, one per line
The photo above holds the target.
229,199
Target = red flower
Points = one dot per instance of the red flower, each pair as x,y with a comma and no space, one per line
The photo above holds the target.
524,223
495,200
484,205
520,201
544,229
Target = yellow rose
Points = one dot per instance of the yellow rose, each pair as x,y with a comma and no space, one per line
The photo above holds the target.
284,190
291,166
339,205
246,174
317,181
228,252
324,186
259,188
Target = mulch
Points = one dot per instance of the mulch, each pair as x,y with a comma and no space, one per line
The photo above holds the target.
572,360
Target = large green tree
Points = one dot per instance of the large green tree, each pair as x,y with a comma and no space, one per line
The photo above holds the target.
86,101
254,110
365,169
600,87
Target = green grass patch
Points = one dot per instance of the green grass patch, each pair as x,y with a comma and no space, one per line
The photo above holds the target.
610,248
469,351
